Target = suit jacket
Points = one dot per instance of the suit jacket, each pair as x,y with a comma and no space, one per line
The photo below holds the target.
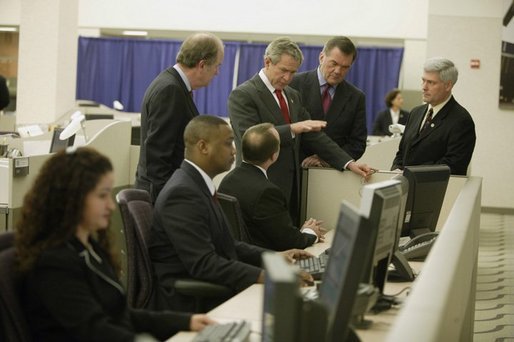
166,110
264,208
70,296
449,140
346,117
252,103
190,238
383,120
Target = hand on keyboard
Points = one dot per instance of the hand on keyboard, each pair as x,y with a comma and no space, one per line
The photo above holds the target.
233,332
199,322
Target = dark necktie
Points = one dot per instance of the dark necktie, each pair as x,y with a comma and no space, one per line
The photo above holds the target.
428,120
326,99
283,106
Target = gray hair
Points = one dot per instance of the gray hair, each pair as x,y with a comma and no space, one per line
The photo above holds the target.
280,46
197,47
444,67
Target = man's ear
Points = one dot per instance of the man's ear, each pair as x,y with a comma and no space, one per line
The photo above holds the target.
274,156
202,146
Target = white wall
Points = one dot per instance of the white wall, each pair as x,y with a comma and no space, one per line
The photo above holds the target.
363,18
472,30
457,29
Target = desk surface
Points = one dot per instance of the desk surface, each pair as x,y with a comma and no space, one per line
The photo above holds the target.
247,305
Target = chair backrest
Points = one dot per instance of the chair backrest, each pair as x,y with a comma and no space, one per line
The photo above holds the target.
6,240
137,213
232,210
13,324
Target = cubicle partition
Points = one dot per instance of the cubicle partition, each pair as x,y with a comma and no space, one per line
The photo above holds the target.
441,305
324,189
111,137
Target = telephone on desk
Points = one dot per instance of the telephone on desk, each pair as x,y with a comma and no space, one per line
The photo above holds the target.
416,248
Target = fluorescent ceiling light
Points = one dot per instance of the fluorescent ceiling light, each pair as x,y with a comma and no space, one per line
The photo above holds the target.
135,33
8,29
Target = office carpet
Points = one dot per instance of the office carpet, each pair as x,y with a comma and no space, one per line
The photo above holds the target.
494,307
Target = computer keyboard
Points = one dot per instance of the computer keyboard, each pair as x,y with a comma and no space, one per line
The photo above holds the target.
314,265
233,331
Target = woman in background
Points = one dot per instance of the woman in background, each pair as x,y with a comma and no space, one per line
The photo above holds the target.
71,290
393,115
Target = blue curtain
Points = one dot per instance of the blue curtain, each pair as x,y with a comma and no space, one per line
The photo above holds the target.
121,69
375,71
251,60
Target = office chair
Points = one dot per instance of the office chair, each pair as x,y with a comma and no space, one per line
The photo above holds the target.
232,210
6,240
13,324
137,213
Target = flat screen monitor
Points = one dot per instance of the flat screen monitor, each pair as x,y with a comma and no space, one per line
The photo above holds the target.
348,254
57,144
381,204
282,300
427,188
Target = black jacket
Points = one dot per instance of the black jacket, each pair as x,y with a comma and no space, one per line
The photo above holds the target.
69,295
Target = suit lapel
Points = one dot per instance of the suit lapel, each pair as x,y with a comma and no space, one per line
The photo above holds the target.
269,100
222,226
190,102
341,98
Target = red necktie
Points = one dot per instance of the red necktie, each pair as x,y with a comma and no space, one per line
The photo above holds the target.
326,99
283,106
428,120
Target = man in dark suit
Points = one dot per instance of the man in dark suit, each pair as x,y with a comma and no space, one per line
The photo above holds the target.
168,106
267,98
190,237
263,204
440,131
394,114
345,107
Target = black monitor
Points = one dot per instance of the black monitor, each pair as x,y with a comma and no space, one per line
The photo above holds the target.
427,188
57,144
285,315
381,204
348,254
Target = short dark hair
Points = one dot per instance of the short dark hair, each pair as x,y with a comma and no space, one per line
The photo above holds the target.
197,47
390,96
342,43
259,143
202,127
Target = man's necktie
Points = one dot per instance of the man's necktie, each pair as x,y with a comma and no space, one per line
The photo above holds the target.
283,106
428,120
326,99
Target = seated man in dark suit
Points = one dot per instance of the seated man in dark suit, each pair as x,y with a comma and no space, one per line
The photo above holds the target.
263,204
440,131
190,237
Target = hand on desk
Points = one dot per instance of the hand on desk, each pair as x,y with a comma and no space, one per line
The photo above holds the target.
292,254
314,160
315,226
200,321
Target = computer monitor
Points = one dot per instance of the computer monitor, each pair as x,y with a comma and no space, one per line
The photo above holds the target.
348,254
427,188
285,315
57,144
381,204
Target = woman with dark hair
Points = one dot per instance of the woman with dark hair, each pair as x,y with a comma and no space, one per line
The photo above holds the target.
393,115
71,290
